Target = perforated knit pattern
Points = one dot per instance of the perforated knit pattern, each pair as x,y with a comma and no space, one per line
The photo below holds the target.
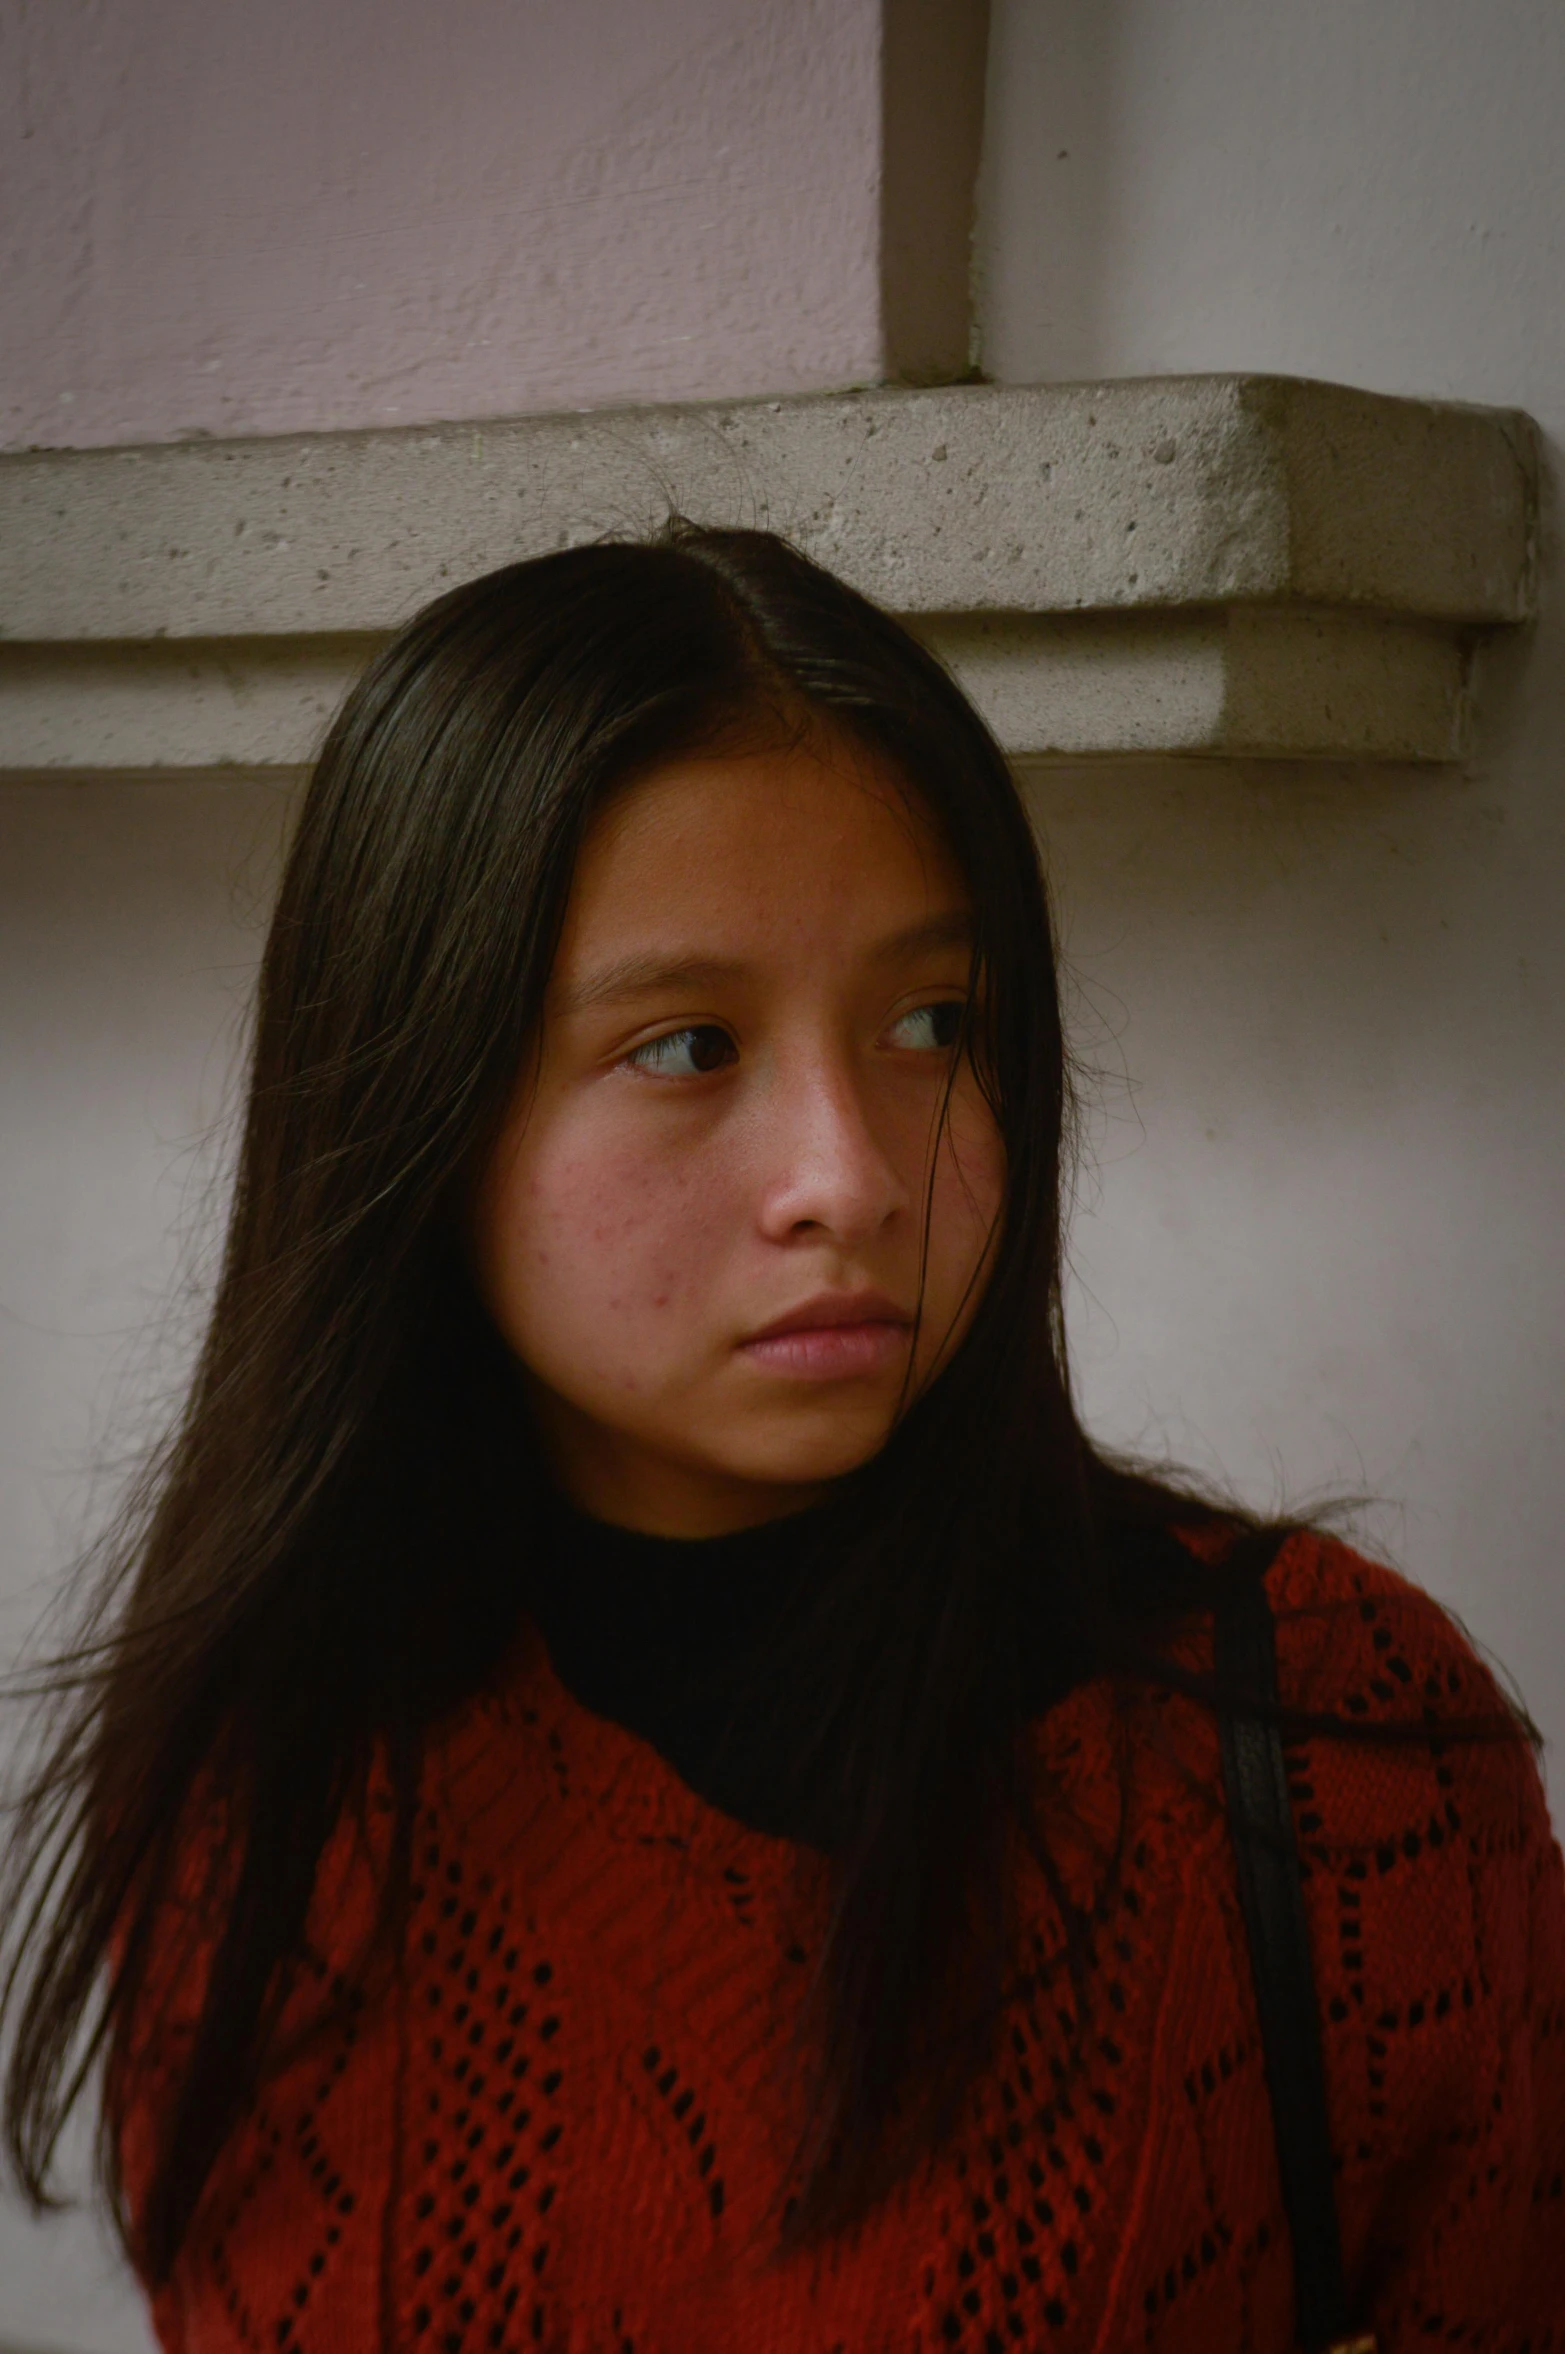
568,2124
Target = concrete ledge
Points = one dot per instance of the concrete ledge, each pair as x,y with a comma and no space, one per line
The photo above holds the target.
1205,564
1229,682
1224,682
167,703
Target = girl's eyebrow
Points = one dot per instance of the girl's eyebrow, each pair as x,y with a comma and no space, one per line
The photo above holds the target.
652,973
648,976
952,928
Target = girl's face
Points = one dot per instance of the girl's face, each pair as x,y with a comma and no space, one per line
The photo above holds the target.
702,1229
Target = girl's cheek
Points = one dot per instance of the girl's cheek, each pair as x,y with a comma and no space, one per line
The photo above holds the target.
613,1248
974,1161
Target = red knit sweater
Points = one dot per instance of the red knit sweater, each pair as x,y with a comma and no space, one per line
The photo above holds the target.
565,2123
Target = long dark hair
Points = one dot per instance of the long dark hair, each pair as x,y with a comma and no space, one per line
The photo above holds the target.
309,1577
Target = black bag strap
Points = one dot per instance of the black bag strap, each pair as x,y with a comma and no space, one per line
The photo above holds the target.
1271,1892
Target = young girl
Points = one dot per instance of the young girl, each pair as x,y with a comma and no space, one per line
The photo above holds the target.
648,1791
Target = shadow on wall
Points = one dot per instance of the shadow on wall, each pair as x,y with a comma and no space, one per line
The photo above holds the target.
1047,175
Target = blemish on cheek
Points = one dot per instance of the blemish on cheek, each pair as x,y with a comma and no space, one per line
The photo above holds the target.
661,1301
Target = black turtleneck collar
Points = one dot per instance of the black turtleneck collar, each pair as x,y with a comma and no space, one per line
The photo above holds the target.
703,1648
673,1638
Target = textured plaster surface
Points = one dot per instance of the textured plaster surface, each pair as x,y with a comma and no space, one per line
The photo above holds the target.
220,219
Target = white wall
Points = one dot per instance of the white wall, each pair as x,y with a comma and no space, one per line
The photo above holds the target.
130,916
1322,1242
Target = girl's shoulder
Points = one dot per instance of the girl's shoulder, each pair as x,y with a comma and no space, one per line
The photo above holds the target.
1400,1738
1356,1640
1361,1642
1404,1743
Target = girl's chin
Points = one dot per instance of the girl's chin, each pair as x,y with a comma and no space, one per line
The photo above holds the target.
799,1460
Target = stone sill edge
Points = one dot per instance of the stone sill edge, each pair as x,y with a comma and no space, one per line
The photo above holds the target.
1215,682
1135,495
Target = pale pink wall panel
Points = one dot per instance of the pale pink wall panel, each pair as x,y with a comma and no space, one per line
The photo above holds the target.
219,216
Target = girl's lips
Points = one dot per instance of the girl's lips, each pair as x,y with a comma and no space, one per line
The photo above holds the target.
832,1341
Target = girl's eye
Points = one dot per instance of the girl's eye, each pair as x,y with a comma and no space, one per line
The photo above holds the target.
932,1029
684,1054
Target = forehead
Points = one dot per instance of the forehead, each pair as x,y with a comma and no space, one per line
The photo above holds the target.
748,849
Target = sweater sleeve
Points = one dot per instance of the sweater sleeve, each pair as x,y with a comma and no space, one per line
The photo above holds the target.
1436,1896
286,2248
1470,2238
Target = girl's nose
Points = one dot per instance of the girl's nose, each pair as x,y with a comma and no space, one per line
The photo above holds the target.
827,1168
